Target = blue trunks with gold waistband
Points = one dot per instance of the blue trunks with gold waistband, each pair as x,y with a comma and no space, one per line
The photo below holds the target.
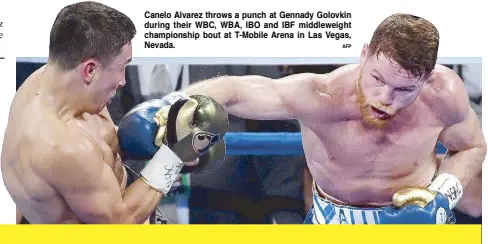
437,210
324,211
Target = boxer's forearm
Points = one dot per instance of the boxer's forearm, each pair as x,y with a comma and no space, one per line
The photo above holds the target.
155,181
471,203
104,203
139,201
465,165
219,88
135,206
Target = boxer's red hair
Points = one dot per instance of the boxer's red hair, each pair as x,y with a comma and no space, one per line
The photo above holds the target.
410,41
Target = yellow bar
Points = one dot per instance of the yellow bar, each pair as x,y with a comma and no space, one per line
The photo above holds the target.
249,234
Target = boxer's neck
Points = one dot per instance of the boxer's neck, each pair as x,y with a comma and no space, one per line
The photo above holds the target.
63,93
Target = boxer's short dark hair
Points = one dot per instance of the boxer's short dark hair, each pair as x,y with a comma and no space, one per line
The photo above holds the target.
88,30
409,40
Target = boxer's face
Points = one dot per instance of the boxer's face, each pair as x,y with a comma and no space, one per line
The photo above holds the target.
384,89
106,79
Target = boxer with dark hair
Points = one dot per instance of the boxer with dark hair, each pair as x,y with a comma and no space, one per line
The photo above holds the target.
61,160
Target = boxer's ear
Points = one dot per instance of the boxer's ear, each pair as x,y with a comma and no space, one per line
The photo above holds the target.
364,53
88,69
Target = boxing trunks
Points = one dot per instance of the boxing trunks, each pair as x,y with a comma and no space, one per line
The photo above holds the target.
324,211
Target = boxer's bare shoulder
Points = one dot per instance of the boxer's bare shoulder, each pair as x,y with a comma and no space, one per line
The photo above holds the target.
41,150
446,95
306,95
74,167
449,97
70,150
50,176
29,163
340,82
315,96
336,93
97,133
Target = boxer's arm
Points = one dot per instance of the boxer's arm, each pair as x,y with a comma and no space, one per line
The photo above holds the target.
107,116
471,203
90,188
18,216
307,188
258,97
462,137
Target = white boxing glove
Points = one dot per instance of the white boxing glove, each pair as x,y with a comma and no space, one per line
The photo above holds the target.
162,170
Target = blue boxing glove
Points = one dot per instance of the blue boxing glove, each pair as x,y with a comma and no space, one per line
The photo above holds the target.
138,129
192,127
432,205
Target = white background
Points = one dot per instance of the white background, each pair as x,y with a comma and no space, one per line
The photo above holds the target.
457,22
27,25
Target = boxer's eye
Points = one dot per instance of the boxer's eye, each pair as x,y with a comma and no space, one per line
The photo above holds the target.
378,81
403,89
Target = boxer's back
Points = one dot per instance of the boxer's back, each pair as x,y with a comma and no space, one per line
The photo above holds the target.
29,138
32,145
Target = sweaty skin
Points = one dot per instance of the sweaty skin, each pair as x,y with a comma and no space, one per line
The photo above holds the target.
470,203
351,160
61,165
30,147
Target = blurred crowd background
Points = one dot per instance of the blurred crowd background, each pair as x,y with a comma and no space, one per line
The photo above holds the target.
246,189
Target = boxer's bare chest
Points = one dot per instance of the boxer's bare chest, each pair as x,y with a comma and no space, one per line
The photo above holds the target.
409,139
362,165
103,131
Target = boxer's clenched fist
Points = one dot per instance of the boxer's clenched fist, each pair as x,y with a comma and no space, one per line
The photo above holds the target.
432,205
193,127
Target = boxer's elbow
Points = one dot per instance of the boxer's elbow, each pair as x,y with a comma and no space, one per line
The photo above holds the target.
483,151
479,153
481,145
